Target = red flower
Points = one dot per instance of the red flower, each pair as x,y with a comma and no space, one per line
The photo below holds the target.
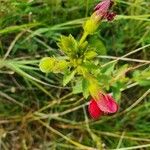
94,110
103,10
104,105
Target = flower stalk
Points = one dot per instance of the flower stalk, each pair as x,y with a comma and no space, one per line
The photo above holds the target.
83,38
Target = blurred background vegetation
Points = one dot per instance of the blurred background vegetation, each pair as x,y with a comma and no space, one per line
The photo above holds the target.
36,111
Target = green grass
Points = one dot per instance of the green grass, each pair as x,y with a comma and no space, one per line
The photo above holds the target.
36,111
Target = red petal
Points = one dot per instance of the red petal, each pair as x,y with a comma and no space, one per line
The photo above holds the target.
103,7
107,104
110,16
94,110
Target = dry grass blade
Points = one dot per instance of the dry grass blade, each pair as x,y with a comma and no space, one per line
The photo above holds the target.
65,137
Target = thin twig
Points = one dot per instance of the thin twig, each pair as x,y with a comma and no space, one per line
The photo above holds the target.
124,59
128,54
11,99
138,101
65,137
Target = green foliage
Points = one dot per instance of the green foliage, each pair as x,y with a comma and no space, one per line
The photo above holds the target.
77,88
81,86
68,77
95,42
108,69
90,54
36,111
68,45
85,88
78,55
142,77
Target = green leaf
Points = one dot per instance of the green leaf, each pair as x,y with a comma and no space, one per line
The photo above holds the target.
90,66
94,87
120,73
98,45
142,78
116,88
144,82
85,88
108,69
116,93
104,81
78,87
68,77
90,54
68,45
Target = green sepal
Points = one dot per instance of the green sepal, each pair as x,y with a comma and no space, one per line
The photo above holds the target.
90,26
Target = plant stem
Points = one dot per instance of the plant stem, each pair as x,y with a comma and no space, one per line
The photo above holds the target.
85,34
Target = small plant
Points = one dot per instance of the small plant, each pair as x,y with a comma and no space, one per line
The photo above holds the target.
79,64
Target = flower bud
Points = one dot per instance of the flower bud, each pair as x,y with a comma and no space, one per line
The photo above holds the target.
90,25
54,65
60,66
46,64
101,11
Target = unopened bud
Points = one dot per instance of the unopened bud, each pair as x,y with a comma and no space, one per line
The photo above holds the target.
91,25
46,64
